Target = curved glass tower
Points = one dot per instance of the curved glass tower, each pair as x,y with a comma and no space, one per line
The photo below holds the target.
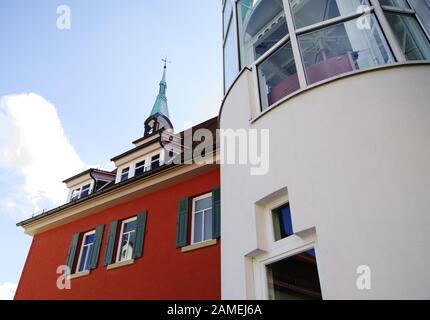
296,43
342,88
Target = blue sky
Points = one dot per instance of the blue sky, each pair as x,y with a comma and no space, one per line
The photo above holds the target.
86,92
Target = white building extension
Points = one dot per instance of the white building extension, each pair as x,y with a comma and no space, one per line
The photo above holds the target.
344,210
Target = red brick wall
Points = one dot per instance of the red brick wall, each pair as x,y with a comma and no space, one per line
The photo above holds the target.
163,272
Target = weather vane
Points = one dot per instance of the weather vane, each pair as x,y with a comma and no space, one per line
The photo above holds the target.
166,62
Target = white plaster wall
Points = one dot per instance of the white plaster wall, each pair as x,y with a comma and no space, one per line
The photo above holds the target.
355,156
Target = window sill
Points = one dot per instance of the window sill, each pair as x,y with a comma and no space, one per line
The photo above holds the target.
78,275
199,245
120,264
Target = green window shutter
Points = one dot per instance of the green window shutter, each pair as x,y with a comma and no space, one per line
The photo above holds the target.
140,235
72,251
216,213
98,237
182,223
110,244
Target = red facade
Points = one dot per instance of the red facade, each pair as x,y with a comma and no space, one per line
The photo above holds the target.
164,272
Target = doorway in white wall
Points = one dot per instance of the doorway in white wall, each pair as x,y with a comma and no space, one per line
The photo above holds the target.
291,274
294,278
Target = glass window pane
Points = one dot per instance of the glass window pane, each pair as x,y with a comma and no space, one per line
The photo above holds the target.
125,248
139,171
287,224
228,10
88,257
411,37
81,266
202,204
282,223
261,25
308,12
231,62
311,252
75,195
198,221
395,3
294,278
155,161
140,168
208,225
155,165
130,226
277,76
131,242
85,191
422,7
343,48
124,174
89,238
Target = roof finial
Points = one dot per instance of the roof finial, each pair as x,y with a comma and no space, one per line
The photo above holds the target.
166,62
160,105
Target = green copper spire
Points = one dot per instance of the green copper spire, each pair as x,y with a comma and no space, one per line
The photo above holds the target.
160,105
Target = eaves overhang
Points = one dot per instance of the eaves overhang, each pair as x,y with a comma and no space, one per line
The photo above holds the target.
89,171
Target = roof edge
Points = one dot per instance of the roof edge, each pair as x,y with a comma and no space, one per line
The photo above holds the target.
88,171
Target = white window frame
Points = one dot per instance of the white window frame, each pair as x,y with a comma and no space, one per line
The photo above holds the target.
132,164
140,167
122,173
273,251
260,267
118,253
153,161
82,250
79,190
204,196
82,189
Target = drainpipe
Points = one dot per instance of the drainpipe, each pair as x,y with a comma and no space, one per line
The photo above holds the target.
95,182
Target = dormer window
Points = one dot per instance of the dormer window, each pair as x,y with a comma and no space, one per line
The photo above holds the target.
155,162
140,168
81,192
85,191
75,194
124,174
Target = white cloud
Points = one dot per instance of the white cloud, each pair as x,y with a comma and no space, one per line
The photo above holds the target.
7,290
33,145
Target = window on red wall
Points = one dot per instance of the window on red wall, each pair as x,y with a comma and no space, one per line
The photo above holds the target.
126,241
201,214
86,251
202,218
